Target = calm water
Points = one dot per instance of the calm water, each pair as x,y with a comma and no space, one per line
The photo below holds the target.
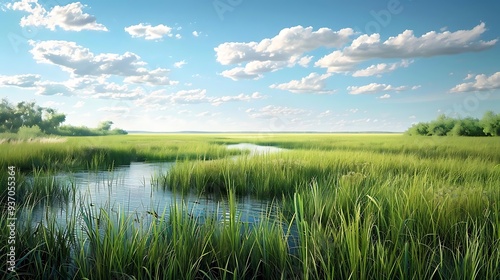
130,190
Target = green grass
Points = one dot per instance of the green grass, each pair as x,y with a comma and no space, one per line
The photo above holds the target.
105,151
345,207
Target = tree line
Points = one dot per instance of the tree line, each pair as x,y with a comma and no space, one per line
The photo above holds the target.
28,118
488,125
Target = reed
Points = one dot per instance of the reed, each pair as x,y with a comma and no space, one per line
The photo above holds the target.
343,207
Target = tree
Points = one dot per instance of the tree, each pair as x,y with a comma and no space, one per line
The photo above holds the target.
52,121
105,125
28,114
418,129
36,120
468,126
441,126
6,113
491,123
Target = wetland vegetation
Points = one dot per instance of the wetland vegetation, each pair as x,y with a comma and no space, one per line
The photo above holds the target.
341,206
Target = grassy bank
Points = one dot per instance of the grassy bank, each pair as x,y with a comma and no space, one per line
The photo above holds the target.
102,152
347,207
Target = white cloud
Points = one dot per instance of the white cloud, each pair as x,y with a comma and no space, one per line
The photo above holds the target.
115,110
79,104
70,17
179,64
178,36
325,114
469,76
374,88
285,49
31,81
22,81
161,99
271,111
80,61
52,104
149,32
304,61
207,114
385,96
53,88
196,33
85,87
313,83
405,45
481,83
240,97
253,70
378,69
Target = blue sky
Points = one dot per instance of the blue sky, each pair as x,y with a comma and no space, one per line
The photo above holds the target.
241,65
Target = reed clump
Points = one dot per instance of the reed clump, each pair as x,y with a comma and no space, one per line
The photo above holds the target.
345,207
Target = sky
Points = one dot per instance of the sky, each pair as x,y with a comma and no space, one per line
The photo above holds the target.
252,65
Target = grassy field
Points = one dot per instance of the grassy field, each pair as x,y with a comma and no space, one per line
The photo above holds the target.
346,206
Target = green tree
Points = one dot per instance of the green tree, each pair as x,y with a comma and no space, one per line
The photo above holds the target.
6,116
36,120
105,125
418,129
52,121
441,126
491,123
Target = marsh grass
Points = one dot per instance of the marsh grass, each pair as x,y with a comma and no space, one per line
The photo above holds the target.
346,207
104,151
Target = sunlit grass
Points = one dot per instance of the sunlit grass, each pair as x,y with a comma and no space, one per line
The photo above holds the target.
345,207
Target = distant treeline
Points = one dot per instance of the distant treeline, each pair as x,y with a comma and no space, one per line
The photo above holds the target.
27,120
489,125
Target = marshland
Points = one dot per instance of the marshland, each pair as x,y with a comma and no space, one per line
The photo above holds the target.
302,206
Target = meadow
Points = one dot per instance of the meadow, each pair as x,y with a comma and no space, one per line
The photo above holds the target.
344,206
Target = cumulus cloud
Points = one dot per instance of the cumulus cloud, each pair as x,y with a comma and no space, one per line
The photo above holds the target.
53,88
405,45
161,99
70,17
253,70
481,83
313,83
179,64
79,104
196,33
149,32
375,87
285,49
85,87
271,111
385,96
115,110
240,97
80,61
379,69
32,81
22,81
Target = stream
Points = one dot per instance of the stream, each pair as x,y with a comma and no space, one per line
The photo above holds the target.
130,190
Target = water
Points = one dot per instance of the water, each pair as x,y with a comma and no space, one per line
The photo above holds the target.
130,190
255,149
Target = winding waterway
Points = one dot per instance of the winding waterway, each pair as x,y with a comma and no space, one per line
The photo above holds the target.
131,190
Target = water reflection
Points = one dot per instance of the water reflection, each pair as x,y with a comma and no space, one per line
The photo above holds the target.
131,190
255,149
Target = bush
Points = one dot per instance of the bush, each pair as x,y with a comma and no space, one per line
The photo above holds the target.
26,132
443,125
